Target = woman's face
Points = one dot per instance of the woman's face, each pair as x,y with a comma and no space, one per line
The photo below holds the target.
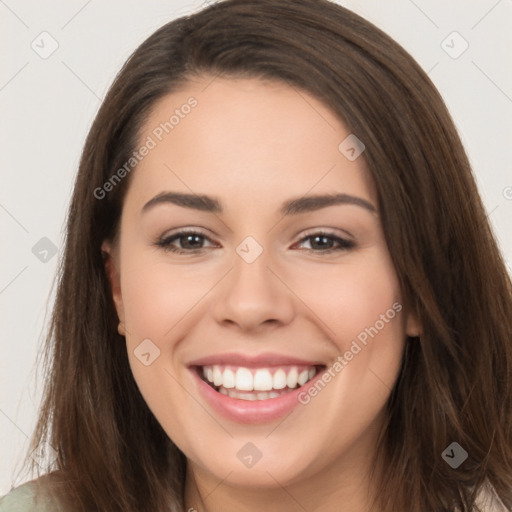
264,293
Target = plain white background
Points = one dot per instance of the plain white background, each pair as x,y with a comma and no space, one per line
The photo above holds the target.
48,105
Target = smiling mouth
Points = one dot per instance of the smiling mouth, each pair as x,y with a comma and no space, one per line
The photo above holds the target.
257,383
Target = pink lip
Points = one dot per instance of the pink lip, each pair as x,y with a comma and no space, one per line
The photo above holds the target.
253,361
246,411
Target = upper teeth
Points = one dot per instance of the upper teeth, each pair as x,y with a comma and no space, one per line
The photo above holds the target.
262,379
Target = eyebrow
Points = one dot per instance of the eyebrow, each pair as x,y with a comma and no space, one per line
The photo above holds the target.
295,206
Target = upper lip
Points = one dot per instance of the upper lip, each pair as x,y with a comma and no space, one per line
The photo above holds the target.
253,361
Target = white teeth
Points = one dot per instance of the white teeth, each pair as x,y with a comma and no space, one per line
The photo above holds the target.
291,379
242,396
217,376
243,379
262,380
279,379
228,379
303,378
233,393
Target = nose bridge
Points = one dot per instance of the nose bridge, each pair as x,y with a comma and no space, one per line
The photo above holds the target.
252,293
251,267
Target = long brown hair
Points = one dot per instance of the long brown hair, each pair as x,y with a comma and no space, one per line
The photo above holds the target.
455,384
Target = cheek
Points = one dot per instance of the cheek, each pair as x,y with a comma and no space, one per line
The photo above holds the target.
156,296
370,337
155,303
159,301
354,296
361,305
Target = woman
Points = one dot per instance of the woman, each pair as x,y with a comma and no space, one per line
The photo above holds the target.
280,290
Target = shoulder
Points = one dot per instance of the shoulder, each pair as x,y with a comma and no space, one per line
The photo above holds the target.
19,499
31,496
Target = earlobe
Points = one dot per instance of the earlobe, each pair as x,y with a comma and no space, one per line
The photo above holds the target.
412,326
111,270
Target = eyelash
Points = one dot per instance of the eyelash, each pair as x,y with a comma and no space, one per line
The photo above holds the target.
165,243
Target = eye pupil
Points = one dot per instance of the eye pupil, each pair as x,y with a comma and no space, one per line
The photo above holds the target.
323,240
189,237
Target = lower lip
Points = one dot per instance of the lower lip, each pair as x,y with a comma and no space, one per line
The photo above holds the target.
252,411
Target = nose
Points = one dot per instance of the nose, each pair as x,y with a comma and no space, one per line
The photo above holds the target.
254,295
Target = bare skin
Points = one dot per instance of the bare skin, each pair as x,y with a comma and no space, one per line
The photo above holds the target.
253,145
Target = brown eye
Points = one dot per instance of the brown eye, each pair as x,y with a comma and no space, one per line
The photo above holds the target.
323,242
189,241
192,241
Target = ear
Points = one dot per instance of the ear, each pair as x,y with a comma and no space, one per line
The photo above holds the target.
111,260
412,325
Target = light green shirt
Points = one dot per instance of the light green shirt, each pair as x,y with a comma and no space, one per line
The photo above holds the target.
23,499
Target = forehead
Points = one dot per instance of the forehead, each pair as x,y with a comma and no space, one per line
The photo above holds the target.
246,139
